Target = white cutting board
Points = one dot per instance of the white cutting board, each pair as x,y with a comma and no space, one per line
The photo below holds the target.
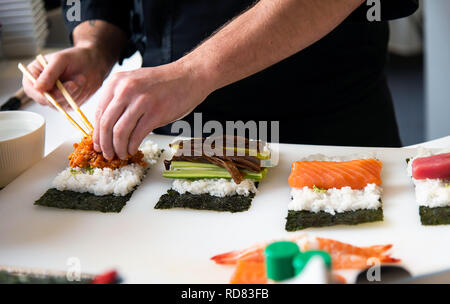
174,246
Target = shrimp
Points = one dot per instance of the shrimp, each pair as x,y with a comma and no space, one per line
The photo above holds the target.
346,256
254,253
250,263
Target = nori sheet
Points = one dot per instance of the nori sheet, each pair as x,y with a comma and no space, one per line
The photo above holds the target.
16,278
298,220
434,216
83,201
235,203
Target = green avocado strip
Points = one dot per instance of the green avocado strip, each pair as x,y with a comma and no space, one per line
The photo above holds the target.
15,278
434,216
187,173
235,203
298,220
82,201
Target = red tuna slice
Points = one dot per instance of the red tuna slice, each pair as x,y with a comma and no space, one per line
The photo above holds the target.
436,166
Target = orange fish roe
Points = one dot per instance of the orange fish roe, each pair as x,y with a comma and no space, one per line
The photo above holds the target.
85,156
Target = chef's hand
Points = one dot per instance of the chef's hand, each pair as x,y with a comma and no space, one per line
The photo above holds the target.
81,69
135,103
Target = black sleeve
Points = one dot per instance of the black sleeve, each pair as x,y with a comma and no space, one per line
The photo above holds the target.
396,9
116,12
390,10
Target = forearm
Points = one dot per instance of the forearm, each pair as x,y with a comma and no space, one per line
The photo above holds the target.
106,39
267,33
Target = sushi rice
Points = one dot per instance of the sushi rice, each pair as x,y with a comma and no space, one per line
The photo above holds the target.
430,193
336,200
118,182
220,187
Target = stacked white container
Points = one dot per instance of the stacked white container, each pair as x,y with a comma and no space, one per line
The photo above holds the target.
23,27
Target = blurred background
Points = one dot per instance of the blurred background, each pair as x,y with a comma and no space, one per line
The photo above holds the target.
418,69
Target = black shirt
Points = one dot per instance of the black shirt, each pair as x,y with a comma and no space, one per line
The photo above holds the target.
333,92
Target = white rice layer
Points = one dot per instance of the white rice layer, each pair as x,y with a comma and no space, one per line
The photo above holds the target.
335,200
216,187
432,193
106,181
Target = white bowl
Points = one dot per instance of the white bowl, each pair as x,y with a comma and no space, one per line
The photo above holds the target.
22,141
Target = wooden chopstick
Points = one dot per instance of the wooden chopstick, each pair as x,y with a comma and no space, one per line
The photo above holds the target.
30,77
67,96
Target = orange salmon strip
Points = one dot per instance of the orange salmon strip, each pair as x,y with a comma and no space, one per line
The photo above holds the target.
356,174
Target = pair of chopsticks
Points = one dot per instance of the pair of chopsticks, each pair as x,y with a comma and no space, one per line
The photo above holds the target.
66,95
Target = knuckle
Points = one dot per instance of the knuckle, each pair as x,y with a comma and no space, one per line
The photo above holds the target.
119,131
104,145
58,57
141,101
44,77
130,83
26,88
133,146
104,125
115,78
34,65
98,115
95,137
31,65
41,101
122,88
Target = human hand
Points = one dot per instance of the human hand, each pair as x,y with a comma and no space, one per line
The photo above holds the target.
135,103
80,69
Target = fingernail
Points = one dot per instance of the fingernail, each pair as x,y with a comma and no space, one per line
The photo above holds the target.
96,148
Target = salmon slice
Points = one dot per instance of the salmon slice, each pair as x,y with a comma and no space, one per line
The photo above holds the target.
356,174
436,166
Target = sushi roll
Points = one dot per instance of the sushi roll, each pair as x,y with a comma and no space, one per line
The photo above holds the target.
430,174
223,179
91,182
331,191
